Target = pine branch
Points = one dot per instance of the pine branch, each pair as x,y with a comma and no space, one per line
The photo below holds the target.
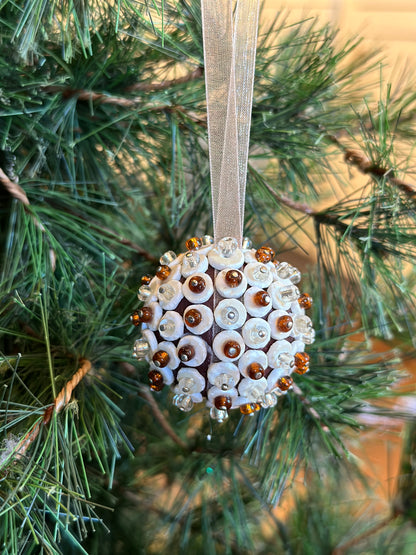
13,188
344,548
158,414
358,159
167,83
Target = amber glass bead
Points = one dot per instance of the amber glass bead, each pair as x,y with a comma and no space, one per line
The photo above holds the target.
233,278
193,243
261,298
161,359
145,314
185,353
284,323
231,349
249,408
305,301
163,272
135,318
301,360
197,284
155,377
264,254
284,383
155,380
255,371
193,318
223,402
146,279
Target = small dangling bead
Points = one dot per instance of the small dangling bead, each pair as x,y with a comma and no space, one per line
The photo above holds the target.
255,371
305,301
301,360
167,258
185,353
284,323
143,315
156,380
197,284
163,272
284,383
161,359
261,298
193,244
249,408
264,254
146,279
233,278
231,349
223,402
193,318
135,318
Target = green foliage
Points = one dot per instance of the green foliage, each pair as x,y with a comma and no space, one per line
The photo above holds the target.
103,126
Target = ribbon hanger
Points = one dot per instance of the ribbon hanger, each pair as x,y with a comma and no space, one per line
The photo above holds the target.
230,36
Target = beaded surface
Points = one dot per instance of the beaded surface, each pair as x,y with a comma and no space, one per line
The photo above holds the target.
223,325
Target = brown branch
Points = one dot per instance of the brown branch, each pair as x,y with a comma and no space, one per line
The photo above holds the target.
358,159
160,417
61,401
342,549
101,98
168,83
13,188
308,407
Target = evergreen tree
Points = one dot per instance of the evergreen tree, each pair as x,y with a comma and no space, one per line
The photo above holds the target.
103,167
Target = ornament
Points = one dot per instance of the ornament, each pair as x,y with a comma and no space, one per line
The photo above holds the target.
224,325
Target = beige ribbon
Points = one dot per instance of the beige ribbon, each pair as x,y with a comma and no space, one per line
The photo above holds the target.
230,37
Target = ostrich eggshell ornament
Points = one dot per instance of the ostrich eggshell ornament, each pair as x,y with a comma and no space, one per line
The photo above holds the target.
223,325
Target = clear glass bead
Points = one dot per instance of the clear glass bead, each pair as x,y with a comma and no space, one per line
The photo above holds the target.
227,246
183,402
285,361
166,292
141,349
261,273
207,240
167,258
218,414
166,326
224,381
229,315
144,293
191,260
302,324
309,337
187,385
247,243
288,293
268,400
287,271
258,334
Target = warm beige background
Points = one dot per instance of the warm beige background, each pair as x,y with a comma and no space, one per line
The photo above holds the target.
387,23
391,26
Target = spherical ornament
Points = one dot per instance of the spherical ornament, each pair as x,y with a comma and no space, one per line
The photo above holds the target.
224,325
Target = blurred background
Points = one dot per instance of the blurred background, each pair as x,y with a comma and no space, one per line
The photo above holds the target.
389,27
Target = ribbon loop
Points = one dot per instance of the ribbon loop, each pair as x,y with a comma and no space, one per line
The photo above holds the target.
230,37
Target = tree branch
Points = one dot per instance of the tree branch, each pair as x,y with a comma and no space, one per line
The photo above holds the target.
160,417
168,83
343,549
13,188
358,159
